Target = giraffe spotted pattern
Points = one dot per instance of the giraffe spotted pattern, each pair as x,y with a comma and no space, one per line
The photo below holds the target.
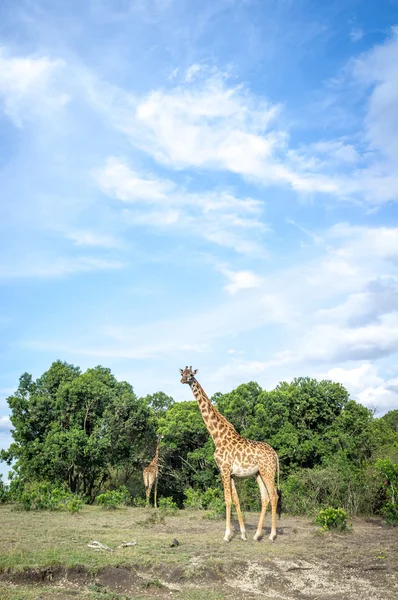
237,456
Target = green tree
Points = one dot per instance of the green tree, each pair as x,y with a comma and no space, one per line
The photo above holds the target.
159,402
72,427
188,450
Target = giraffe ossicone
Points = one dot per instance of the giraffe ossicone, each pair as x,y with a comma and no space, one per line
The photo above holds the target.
237,456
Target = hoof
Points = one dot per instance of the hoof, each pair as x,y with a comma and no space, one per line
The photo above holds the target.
272,538
244,537
226,539
257,538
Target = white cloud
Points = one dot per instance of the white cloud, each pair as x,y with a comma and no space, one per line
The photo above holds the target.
5,423
366,385
378,69
219,217
58,267
91,238
26,86
240,280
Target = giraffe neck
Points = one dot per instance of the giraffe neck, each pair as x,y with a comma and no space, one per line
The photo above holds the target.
155,459
216,424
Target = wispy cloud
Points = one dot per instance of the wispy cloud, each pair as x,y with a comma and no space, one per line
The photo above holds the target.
219,217
58,267
26,86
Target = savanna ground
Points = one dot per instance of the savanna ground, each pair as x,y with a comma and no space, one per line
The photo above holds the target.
44,555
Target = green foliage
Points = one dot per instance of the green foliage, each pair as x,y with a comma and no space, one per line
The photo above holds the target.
159,402
332,518
74,427
45,496
211,500
138,501
4,494
74,504
111,500
89,433
338,484
388,471
168,505
193,499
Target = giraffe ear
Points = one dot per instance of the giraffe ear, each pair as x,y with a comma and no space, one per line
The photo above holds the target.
181,371
195,371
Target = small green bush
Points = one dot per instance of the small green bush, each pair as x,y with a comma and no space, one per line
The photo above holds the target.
111,500
212,500
139,502
74,505
388,473
193,499
4,494
332,518
46,496
168,505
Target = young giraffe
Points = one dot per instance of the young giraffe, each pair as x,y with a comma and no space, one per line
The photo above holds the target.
151,475
238,457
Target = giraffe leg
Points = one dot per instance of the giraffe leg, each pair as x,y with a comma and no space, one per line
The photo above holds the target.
264,504
274,504
148,493
273,496
235,499
226,481
156,492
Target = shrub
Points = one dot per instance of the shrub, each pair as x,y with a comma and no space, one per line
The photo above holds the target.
211,499
332,518
46,496
388,472
4,494
74,505
168,505
193,499
338,485
138,501
111,500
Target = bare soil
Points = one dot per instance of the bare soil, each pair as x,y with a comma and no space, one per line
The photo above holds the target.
302,564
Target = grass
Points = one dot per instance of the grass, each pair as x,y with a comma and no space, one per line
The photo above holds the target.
41,539
57,541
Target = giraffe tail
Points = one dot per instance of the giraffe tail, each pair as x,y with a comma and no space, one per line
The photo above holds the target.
279,491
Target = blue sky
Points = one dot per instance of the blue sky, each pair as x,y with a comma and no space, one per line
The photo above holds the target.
199,182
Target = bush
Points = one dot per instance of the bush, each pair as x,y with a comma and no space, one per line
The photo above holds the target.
193,499
388,472
138,501
212,500
74,505
45,496
332,518
4,494
111,500
167,505
337,485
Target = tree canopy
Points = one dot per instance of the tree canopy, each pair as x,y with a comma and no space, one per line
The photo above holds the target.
88,430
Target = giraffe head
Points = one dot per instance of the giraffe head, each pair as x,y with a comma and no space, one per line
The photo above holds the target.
188,375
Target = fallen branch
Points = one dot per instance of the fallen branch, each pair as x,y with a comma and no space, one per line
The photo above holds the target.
125,544
98,546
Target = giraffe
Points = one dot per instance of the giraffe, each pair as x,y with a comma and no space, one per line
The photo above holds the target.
237,456
151,475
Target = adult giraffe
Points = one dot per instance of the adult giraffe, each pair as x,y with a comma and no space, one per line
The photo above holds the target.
238,457
151,475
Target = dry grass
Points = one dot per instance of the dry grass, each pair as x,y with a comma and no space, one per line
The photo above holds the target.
300,564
